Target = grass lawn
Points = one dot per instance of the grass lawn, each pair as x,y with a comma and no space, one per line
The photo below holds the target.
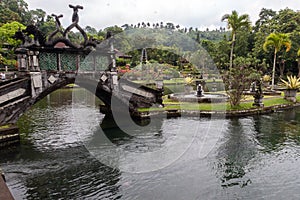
175,81
225,106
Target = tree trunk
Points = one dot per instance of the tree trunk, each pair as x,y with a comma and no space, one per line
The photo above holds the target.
298,67
231,52
281,68
273,71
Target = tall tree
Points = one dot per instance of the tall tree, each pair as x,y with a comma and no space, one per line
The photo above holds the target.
235,23
298,62
7,31
114,29
14,10
48,26
37,16
283,21
277,41
264,20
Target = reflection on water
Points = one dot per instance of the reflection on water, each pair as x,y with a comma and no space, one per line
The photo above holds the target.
58,174
136,141
250,158
278,131
235,153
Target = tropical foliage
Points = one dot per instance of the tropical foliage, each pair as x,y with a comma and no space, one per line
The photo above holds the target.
188,80
7,41
277,41
292,83
237,80
266,78
235,23
298,61
271,46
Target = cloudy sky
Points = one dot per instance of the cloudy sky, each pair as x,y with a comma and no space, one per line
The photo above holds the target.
188,13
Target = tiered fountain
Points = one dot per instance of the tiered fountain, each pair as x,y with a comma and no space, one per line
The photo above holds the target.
199,96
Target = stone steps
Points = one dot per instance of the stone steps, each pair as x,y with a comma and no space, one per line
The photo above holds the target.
9,136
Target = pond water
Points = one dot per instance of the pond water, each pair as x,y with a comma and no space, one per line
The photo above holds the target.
62,155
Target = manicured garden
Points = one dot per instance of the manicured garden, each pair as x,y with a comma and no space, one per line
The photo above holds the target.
276,102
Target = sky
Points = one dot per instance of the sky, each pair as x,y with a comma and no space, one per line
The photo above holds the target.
189,13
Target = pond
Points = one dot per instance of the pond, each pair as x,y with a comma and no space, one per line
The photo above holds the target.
69,150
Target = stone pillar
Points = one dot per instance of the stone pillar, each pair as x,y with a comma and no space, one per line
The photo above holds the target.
114,82
258,101
22,59
144,57
36,83
199,90
111,54
78,63
58,61
214,86
258,96
35,61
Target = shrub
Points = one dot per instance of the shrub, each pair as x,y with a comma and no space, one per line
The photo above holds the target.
266,78
236,82
188,80
292,83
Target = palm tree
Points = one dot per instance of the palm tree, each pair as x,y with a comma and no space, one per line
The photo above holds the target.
235,23
277,41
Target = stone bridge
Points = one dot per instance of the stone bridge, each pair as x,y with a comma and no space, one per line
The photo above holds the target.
19,94
46,64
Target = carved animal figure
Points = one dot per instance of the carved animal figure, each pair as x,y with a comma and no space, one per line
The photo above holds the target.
39,37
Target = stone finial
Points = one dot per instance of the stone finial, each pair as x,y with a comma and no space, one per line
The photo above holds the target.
75,17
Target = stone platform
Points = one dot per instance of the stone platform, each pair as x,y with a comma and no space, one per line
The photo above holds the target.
4,191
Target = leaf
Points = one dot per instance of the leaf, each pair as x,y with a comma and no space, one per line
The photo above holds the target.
292,83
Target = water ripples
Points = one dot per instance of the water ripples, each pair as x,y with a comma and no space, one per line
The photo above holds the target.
249,158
